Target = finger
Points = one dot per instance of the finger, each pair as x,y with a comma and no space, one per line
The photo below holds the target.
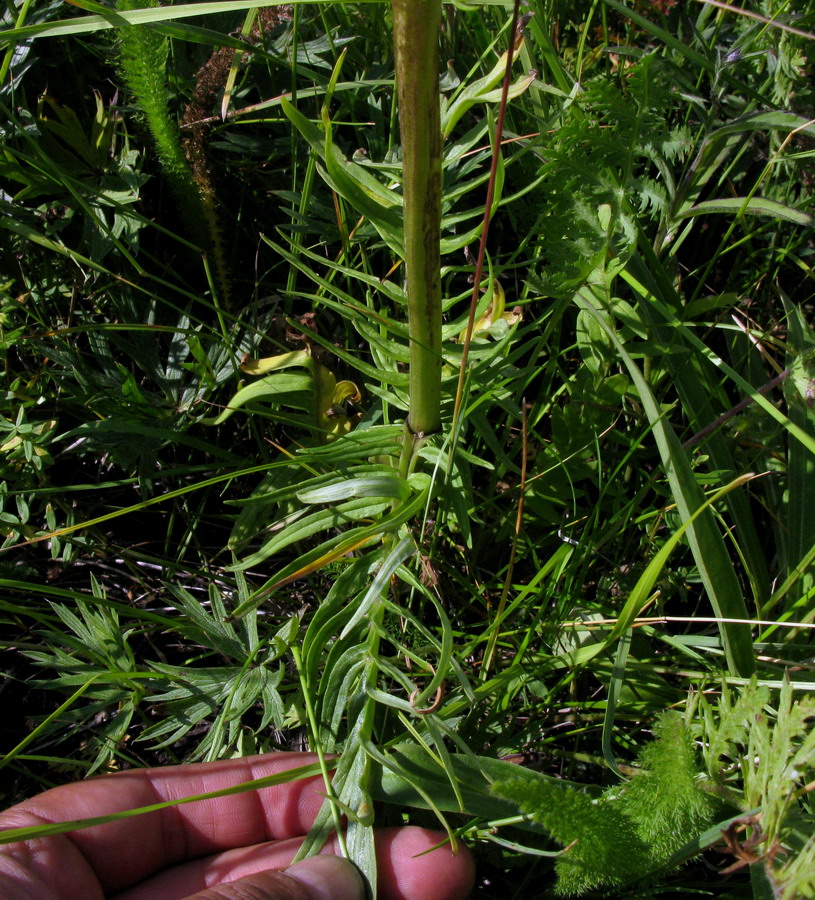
178,882
318,878
73,866
407,871
415,864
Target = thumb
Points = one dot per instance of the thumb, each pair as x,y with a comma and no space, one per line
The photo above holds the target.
316,878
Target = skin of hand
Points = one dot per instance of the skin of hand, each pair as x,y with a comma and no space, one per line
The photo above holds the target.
224,848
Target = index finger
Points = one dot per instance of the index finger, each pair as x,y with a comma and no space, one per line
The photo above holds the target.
121,853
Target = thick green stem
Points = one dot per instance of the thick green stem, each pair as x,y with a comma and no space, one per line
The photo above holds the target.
416,26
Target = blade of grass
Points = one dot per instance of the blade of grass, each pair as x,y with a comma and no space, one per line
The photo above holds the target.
708,548
32,832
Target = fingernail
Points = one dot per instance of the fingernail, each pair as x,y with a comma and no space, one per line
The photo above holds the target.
329,878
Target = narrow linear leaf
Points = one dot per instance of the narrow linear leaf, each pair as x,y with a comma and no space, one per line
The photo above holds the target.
29,832
370,486
402,551
333,549
755,206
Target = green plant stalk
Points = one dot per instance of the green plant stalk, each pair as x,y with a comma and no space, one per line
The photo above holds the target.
143,62
142,58
416,26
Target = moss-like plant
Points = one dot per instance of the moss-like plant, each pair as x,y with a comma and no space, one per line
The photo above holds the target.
630,832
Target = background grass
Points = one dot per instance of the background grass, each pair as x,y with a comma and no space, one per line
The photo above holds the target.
179,583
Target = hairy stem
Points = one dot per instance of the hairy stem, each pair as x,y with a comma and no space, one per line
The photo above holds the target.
143,60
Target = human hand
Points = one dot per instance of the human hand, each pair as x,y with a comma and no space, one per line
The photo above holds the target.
224,848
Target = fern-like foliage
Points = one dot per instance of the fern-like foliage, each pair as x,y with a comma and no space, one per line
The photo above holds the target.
759,745
603,848
616,147
628,833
